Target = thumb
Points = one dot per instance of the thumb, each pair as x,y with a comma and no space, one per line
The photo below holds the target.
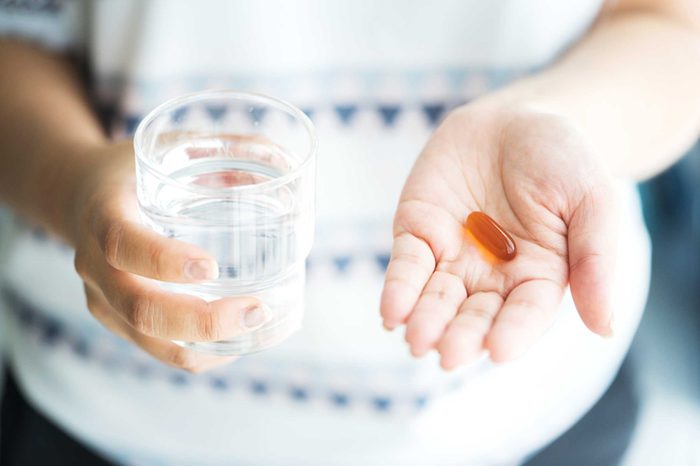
592,243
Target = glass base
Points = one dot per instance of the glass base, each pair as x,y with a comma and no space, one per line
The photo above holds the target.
259,340
282,295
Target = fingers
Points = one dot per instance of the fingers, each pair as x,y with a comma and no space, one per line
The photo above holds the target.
527,313
412,262
463,341
163,350
442,296
592,241
149,310
133,248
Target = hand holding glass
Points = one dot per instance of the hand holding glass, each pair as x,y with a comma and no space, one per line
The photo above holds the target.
233,173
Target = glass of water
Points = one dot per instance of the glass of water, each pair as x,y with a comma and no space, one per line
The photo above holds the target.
233,172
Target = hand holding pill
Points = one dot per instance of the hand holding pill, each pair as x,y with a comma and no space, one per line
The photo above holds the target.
503,209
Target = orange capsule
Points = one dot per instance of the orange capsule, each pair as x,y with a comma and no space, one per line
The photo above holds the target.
490,236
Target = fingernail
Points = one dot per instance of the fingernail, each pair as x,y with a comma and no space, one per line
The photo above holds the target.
201,269
387,327
611,327
254,317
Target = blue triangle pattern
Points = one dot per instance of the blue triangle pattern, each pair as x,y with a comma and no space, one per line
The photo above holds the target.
218,383
179,115
309,112
382,260
143,371
340,399
179,379
216,112
433,112
389,113
341,263
381,403
51,332
299,393
81,348
131,122
259,388
346,113
39,234
257,114
421,401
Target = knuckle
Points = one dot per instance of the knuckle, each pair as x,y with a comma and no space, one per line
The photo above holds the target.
156,254
184,359
585,260
450,290
208,324
523,304
409,258
141,315
477,314
112,243
440,294
528,313
404,283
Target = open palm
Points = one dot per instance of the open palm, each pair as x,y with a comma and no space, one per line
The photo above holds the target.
535,175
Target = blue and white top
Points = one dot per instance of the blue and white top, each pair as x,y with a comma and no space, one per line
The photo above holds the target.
376,77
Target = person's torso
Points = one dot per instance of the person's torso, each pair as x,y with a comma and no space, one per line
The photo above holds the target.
376,78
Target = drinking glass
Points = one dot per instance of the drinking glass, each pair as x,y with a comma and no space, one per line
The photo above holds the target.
233,172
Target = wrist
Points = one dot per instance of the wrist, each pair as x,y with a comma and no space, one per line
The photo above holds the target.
531,94
540,95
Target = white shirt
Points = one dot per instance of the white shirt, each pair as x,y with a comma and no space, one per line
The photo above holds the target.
375,77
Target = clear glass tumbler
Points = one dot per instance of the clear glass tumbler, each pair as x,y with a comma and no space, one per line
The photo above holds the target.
233,172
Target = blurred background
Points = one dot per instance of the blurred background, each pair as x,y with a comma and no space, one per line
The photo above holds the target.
666,351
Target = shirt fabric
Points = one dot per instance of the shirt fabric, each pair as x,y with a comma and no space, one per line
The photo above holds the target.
376,78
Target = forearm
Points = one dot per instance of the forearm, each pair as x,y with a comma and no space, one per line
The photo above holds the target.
632,86
46,134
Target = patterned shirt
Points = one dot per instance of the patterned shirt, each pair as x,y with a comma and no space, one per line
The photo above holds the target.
376,78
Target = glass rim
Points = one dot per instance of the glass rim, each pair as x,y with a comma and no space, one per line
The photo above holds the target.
230,93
